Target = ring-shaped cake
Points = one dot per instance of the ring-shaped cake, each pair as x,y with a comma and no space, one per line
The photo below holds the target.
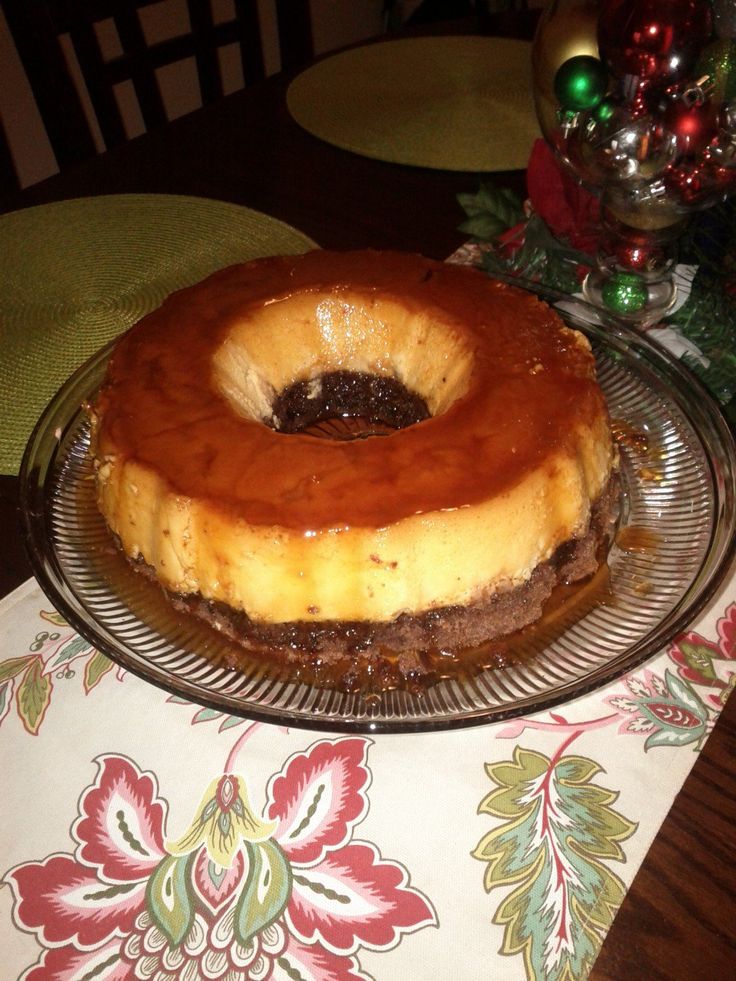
491,480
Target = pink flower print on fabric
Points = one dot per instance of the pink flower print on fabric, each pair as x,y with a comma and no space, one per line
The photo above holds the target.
288,895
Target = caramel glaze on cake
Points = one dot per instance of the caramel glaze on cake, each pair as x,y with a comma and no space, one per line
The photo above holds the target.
493,479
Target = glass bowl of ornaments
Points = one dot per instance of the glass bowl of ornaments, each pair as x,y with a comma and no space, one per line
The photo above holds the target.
638,100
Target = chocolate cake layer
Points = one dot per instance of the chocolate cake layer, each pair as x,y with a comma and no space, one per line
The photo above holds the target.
374,398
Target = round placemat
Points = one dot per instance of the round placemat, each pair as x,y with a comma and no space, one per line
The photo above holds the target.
451,103
77,273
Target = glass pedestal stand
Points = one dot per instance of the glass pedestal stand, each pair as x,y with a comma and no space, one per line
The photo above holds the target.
633,278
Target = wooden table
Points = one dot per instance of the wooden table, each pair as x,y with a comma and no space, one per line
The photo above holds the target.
677,921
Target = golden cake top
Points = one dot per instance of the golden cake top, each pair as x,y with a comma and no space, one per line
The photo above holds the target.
189,389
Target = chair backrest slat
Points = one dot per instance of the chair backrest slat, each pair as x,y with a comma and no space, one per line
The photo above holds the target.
143,75
295,32
251,54
102,95
205,53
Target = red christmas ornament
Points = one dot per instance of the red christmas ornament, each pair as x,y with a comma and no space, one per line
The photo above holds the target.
723,177
639,257
689,183
694,126
633,250
654,41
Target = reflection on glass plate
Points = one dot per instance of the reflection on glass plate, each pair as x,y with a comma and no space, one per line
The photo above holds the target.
674,546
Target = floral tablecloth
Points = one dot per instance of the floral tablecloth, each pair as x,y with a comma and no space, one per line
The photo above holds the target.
147,837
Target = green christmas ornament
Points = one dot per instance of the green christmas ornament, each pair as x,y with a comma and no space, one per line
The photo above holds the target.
604,110
625,293
580,83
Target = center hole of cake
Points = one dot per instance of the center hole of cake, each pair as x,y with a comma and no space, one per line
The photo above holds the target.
348,405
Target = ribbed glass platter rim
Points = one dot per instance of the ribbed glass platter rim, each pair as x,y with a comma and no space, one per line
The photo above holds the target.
56,466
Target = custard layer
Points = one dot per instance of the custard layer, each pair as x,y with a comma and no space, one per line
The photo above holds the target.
195,480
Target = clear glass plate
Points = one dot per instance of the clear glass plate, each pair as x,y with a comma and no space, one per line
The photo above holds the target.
675,544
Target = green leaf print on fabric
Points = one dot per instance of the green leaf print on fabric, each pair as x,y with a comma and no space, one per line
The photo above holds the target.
95,670
699,657
34,696
169,900
266,892
68,652
558,830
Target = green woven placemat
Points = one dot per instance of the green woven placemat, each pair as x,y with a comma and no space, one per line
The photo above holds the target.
76,273
452,103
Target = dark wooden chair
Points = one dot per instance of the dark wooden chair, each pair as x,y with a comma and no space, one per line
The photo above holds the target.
47,31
